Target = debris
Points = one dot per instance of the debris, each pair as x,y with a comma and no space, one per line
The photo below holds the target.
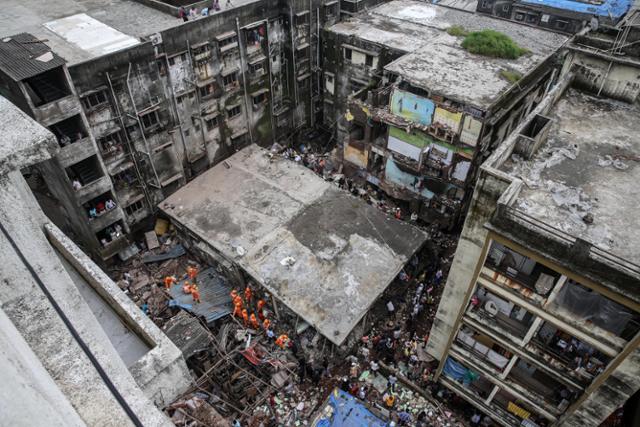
174,252
288,261
152,240
588,219
162,226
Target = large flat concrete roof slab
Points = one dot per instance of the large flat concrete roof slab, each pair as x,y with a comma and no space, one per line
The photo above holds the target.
589,166
346,252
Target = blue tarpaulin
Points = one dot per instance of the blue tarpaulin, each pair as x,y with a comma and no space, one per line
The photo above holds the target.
610,8
347,411
457,372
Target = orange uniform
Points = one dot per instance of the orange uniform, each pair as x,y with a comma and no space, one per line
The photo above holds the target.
169,281
266,324
261,304
245,317
237,311
233,294
282,341
254,321
195,293
247,293
186,288
192,272
237,300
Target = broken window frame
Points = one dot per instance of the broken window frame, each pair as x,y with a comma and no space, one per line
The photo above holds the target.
95,100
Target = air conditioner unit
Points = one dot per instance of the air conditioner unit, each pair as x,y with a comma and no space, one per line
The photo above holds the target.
156,39
491,308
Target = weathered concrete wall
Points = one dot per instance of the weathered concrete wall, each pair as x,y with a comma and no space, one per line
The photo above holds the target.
469,254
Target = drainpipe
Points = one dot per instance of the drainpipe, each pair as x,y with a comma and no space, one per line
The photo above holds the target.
129,145
144,138
271,94
244,80
293,64
604,79
174,104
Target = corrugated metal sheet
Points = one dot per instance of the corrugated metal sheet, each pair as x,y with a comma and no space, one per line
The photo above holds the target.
18,57
214,294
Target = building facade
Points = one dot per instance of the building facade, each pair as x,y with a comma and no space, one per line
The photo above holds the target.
415,114
540,318
136,124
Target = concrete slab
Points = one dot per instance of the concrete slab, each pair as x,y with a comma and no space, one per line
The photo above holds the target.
322,252
90,35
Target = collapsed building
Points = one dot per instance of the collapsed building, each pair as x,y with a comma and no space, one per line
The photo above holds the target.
542,301
317,250
422,113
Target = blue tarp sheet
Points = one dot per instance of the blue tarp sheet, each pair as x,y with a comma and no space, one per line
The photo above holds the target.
348,412
457,372
613,8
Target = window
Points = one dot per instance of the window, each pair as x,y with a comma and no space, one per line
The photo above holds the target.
94,99
161,68
259,99
110,144
532,18
191,95
187,132
256,68
172,61
134,207
329,78
347,54
505,8
211,123
207,90
368,61
149,119
561,25
485,4
233,112
230,79
179,99
227,41
519,16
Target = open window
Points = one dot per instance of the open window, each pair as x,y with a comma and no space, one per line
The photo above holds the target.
47,87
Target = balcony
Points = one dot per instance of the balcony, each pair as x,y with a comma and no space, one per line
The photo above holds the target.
76,152
113,247
106,218
93,189
57,110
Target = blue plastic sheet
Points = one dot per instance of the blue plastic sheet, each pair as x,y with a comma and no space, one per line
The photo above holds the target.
457,372
348,412
614,8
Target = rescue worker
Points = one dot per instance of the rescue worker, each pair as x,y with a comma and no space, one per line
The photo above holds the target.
238,301
192,272
233,294
247,294
169,281
254,321
266,323
186,287
195,293
237,310
260,308
282,341
245,317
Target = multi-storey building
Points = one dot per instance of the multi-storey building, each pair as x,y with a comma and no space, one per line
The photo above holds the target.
415,113
540,316
139,117
567,16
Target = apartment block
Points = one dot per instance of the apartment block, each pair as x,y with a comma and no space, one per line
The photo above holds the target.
540,317
416,113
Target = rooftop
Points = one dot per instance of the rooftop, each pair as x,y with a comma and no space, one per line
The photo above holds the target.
436,61
260,212
587,167
607,8
79,30
23,56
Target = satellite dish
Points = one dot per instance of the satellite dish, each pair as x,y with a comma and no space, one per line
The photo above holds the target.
491,308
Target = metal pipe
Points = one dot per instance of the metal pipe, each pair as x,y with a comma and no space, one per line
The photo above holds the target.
293,64
129,145
144,138
244,81
271,92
